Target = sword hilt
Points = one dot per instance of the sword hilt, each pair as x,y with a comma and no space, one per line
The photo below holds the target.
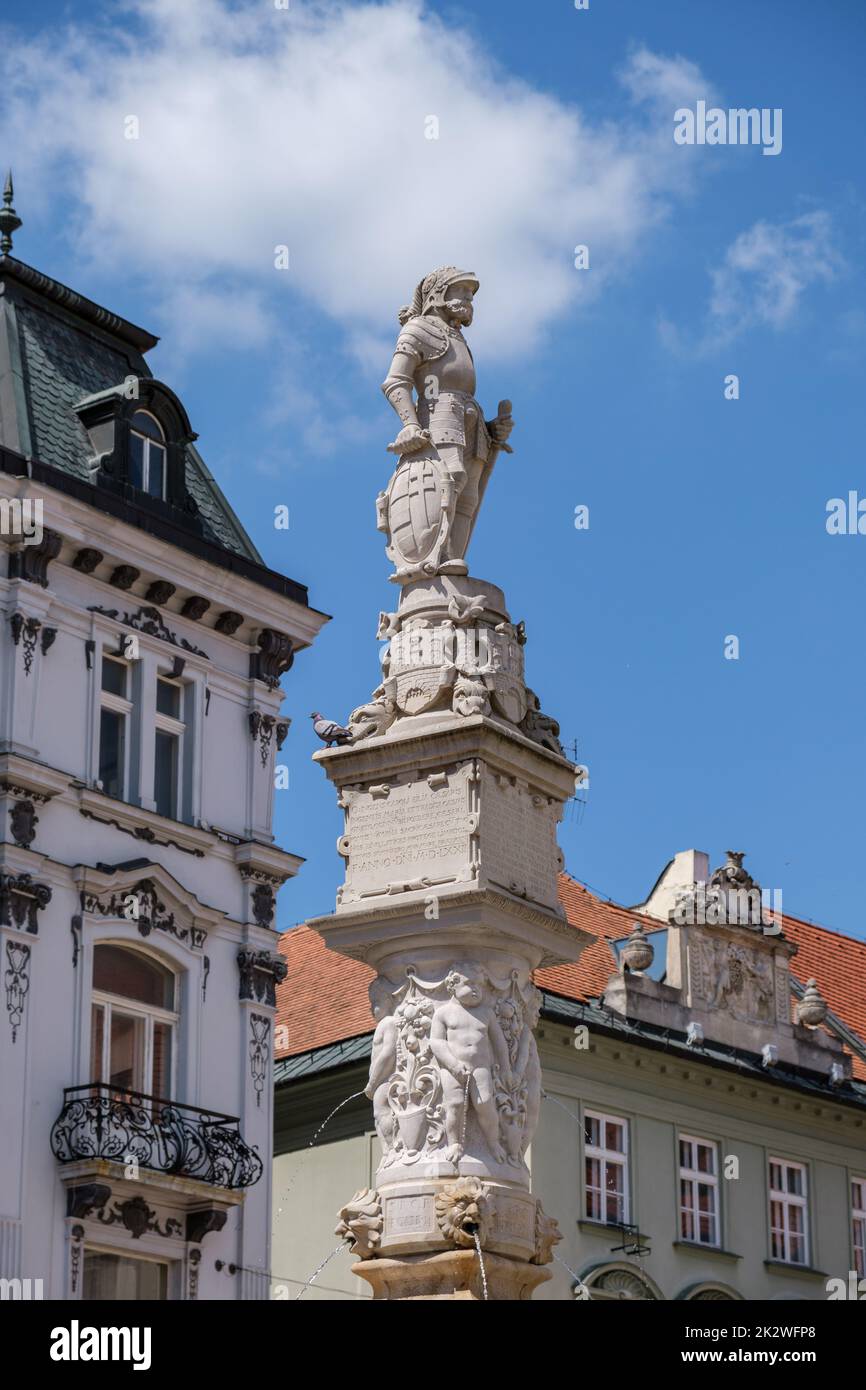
504,413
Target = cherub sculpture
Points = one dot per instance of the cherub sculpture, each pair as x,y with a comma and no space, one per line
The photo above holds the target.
468,1043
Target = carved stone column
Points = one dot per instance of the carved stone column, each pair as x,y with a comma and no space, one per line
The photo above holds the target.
452,791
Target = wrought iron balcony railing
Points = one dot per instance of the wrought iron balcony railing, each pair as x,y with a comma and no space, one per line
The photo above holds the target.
101,1121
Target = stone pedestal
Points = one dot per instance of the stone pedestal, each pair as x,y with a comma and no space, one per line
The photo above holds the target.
452,788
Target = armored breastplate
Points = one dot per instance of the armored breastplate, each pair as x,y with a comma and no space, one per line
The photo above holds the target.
453,371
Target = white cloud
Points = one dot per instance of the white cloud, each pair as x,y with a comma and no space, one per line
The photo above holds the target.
666,82
305,126
766,271
198,320
759,282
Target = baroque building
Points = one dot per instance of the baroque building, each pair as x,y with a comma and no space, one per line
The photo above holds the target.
702,1132
142,644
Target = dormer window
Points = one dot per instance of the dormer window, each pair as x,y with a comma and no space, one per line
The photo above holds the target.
147,454
139,434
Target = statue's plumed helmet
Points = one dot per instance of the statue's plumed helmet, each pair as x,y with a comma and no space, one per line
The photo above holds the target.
432,291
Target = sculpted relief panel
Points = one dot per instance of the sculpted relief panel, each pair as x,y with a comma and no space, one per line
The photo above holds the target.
454,1072
738,978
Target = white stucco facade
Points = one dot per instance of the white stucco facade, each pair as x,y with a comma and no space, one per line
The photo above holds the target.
97,1172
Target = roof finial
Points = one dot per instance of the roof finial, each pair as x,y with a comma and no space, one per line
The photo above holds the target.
9,219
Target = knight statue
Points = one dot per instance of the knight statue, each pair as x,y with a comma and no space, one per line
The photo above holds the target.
446,449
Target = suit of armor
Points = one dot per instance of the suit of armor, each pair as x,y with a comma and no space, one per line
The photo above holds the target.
445,442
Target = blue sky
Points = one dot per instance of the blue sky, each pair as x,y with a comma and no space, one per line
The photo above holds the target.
261,128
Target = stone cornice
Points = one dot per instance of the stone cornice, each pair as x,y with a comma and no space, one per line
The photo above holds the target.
254,858
362,933
104,883
23,776
635,1063
151,1182
206,570
145,826
451,740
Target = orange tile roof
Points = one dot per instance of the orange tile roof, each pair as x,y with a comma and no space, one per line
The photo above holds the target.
323,999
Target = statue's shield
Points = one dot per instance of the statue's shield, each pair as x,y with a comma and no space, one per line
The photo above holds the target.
422,688
415,508
508,695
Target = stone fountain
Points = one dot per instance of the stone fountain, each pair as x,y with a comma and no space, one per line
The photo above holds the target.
452,784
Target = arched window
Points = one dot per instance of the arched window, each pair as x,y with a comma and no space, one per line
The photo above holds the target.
147,454
133,1021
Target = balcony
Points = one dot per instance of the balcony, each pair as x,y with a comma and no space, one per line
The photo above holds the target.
106,1122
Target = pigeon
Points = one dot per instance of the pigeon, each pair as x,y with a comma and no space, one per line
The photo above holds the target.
328,731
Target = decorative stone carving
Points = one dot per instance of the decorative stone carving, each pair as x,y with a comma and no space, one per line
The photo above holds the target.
47,640
138,1218
454,1069
374,718
281,729
735,977
201,1223
141,832
149,621
383,1062
637,953
8,788
76,1237
87,560
540,727
82,1199
31,562
622,1283
389,626
361,1223
141,904
25,631
264,904
547,1234
76,926
193,1262
273,658
732,897
732,874
812,1008
23,823
159,592
452,649
195,607
228,623
21,900
17,982
263,898
462,1212
262,728
260,973
260,1028
470,696
124,576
